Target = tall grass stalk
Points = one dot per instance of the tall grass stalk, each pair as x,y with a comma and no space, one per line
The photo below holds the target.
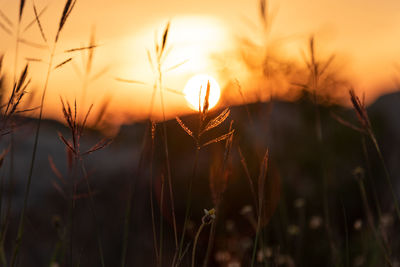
218,197
66,12
361,112
160,56
208,218
160,53
74,152
32,164
346,229
197,137
153,224
179,255
93,210
196,238
161,241
370,179
165,139
261,188
11,178
387,175
359,175
70,216
128,212
22,4
317,70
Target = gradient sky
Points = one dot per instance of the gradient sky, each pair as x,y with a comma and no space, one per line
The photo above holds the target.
364,34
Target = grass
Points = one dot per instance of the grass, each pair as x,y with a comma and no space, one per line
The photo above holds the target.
232,162
67,9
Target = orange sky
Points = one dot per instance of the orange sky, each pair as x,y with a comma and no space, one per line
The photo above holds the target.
363,34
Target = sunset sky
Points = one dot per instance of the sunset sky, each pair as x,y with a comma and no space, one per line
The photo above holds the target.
363,34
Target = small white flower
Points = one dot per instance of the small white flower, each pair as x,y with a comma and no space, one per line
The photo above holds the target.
210,212
209,216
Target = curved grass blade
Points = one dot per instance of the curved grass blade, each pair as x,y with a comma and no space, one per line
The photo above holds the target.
177,65
184,127
4,28
30,24
39,24
217,120
165,37
130,81
100,145
63,63
218,139
6,19
69,5
81,48
32,44
21,8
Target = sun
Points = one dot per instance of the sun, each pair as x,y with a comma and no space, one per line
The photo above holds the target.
197,83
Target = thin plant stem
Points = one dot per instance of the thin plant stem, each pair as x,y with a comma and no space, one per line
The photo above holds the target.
373,187
16,51
387,175
188,206
195,243
92,207
153,223
246,171
32,164
253,257
3,233
167,157
346,229
132,188
73,175
211,238
126,229
370,219
12,130
161,221
2,192
228,147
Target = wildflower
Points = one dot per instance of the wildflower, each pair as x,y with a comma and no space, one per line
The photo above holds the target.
209,216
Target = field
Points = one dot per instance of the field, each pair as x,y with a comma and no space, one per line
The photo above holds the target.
303,176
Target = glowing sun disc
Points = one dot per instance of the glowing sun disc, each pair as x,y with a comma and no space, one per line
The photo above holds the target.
197,83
